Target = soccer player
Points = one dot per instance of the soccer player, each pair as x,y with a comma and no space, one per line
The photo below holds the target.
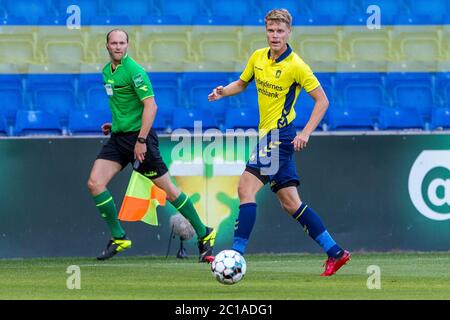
280,74
133,108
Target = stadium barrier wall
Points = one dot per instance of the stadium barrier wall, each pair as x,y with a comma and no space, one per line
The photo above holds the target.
374,193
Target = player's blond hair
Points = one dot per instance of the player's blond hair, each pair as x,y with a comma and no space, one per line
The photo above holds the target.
279,15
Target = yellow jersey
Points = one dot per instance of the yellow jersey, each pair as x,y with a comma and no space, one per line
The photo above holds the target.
278,83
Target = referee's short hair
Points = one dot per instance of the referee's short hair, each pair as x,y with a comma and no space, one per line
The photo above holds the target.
280,15
107,36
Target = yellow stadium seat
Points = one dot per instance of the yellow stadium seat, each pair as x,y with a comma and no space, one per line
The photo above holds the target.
220,50
172,50
66,52
17,51
417,43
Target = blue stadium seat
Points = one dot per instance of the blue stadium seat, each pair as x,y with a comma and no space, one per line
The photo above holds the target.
3,126
303,109
415,95
167,95
329,12
12,100
185,118
55,100
11,95
217,20
389,9
443,87
161,20
88,8
92,90
303,113
160,124
84,122
111,20
248,98
412,90
440,119
32,10
30,122
234,10
201,84
135,10
361,91
350,119
241,118
400,118
426,12
54,93
186,10
295,7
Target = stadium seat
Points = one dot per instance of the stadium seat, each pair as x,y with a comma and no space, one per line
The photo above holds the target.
12,100
329,12
241,118
367,46
440,119
11,95
419,96
423,12
161,20
350,119
3,126
220,50
249,97
185,118
443,87
17,51
303,109
53,93
400,119
235,11
135,10
296,8
167,99
303,113
70,52
88,122
92,91
187,10
416,44
32,10
88,9
389,9
160,124
314,47
111,20
200,85
29,122
168,49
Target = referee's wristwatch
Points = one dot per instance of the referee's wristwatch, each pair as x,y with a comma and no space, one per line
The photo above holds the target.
141,140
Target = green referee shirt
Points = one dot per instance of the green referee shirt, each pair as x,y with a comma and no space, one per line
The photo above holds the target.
126,87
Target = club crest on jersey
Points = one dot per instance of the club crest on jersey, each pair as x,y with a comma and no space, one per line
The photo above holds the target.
278,74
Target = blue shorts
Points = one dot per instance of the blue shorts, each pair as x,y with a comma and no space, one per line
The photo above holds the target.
273,159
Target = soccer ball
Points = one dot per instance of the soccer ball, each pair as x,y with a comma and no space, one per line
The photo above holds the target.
228,267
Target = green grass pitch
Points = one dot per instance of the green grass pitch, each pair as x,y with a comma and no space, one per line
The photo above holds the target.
274,277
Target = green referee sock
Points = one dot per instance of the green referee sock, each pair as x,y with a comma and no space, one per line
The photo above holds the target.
107,208
184,205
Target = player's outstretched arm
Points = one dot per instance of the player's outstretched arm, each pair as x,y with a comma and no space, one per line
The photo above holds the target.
232,89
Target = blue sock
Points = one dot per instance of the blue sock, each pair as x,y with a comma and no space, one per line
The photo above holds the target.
244,226
314,227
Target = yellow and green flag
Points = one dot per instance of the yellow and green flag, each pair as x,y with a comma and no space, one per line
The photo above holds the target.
141,199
